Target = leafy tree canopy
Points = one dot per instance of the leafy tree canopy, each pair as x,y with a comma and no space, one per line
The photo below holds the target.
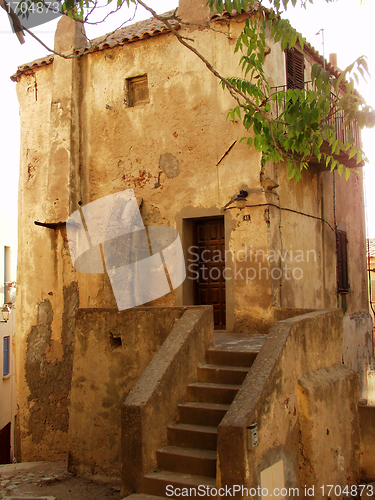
293,124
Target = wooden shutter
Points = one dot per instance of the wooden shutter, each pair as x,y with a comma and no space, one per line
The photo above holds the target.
295,69
342,262
138,90
6,356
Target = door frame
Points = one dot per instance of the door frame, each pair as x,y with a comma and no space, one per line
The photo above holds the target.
208,285
185,225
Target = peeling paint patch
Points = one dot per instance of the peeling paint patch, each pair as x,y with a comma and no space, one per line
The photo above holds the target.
169,165
49,382
139,181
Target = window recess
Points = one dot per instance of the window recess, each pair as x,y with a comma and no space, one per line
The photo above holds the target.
137,90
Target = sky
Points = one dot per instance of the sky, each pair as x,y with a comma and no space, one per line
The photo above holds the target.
348,31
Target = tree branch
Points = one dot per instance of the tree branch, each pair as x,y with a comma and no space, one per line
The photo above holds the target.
232,89
15,21
64,56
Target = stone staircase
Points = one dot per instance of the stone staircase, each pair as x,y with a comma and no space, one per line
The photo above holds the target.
189,460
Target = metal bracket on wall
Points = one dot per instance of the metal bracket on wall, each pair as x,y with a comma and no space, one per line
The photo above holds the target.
50,225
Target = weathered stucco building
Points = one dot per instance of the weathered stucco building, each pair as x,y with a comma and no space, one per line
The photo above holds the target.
138,110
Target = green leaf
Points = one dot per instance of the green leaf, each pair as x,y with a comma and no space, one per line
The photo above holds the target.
303,127
293,37
219,6
284,42
228,6
237,5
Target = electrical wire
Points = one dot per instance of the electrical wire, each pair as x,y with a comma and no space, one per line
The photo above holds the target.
286,209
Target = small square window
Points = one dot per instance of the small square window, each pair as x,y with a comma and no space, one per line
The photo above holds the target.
137,90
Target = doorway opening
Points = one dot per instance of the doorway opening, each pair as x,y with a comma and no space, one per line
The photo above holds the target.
205,259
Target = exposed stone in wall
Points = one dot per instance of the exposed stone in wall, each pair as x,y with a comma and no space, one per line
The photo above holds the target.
152,216
49,382
169,165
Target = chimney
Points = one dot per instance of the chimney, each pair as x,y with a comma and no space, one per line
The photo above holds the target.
64,176
193,11
69,35
333,60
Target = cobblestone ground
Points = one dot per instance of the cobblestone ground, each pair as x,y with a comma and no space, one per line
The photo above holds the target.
51,479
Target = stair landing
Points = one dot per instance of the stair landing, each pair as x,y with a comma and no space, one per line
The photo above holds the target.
239,341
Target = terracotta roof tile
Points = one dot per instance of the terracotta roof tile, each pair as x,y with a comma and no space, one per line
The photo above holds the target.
132,33
28,68
140,31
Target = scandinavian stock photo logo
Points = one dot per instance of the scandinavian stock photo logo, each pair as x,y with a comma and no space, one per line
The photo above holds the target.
143,262
247,264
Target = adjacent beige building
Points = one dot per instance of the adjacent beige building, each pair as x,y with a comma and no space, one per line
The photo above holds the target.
8,264
141,111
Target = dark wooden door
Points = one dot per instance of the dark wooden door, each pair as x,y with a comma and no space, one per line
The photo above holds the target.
210,284
5,445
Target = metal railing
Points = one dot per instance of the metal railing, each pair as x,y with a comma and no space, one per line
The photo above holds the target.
344,131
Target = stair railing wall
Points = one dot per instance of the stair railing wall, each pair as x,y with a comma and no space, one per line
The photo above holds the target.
152,403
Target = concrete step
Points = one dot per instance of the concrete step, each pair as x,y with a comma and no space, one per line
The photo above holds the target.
193,436
207,392
156,483
187,466
187,460
220,374
202,413
220,356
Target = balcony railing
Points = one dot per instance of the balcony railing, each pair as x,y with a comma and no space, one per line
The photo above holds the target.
344,131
